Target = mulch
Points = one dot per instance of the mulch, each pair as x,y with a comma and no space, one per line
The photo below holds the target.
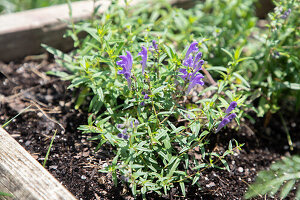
74,162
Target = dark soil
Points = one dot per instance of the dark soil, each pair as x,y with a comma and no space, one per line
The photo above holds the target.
72,158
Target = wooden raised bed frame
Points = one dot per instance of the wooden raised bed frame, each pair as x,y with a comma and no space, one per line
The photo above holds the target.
25,178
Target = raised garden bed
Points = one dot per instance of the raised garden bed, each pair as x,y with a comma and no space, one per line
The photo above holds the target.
72,158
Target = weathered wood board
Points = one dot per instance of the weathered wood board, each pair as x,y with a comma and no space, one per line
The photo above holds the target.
22,33
22,176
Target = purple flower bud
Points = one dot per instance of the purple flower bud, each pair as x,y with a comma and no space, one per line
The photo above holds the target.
136,122
126,64
192,48
222,124
189,61
198,56
184,72
142,103
146,96
231,116
155,46
125,137
225,121
143,93
124,131
195,80
143,54
124,178
120,135
286,14
120,126
231,107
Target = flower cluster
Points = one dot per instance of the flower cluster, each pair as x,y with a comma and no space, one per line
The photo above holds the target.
143,54
126,64
133,124
194,64
146,96
228,116
286,14
154,46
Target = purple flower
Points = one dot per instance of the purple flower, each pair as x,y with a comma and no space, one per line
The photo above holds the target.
154,45
146,96
125,137
231,107
194,64
192,48
195,80
124,131
136,122
120,135
124,178
184,73
142,103
286,14
188,62
231,116
143,92
120,126
126,64
143,54
225,121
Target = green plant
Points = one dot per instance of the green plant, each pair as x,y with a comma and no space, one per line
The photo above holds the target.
282,177
275,72
141,110
139,114
48,152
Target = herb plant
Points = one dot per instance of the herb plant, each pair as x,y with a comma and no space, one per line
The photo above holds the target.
282,177
158,100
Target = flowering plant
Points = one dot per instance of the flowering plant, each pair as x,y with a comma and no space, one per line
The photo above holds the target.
155,126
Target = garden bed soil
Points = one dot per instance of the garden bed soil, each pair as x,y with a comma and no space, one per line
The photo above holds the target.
72,158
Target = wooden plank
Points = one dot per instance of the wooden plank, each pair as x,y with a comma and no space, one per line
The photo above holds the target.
22,176
22,33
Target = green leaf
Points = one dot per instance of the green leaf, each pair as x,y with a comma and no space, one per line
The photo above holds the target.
143,149
293,86
195,179
57,53
237,53
174,167
135,166
200,166
100,94
242,79
287,188
217,68
158,89
182,186
228,53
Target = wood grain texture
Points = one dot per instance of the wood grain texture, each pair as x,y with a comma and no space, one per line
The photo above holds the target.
22,176
22,33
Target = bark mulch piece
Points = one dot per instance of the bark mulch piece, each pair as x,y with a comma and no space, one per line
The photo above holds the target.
72,158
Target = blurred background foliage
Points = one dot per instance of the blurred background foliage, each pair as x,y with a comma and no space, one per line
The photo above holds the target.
10,6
